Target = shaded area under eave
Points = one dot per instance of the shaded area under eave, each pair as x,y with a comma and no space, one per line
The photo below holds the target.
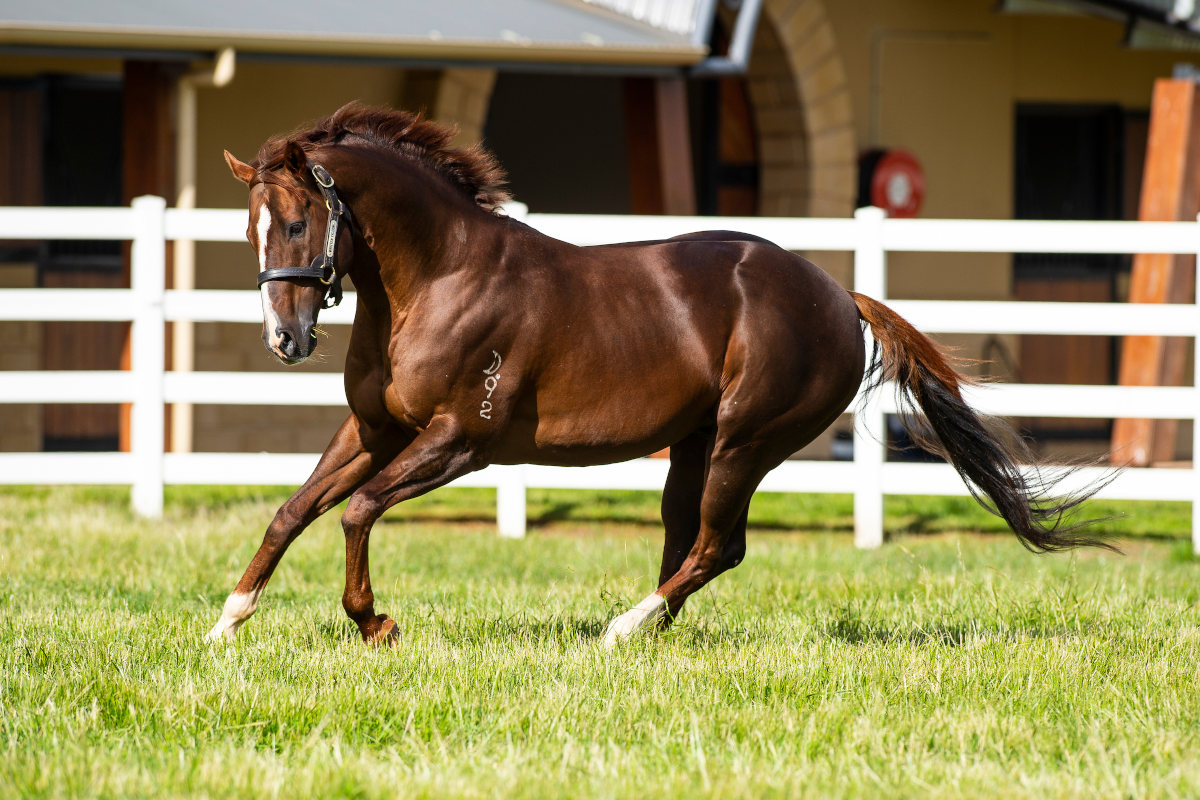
1150,24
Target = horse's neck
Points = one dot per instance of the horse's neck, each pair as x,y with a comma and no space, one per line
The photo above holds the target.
418,230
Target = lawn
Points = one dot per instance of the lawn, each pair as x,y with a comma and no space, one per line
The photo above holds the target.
949,663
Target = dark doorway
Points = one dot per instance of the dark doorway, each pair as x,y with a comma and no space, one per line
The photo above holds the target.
64,145
1073,162
561,138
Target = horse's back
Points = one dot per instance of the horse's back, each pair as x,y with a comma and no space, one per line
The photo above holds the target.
645,341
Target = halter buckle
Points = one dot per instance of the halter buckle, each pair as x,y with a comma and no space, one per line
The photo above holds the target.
322,176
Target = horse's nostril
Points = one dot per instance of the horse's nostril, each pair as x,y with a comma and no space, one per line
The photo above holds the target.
286,345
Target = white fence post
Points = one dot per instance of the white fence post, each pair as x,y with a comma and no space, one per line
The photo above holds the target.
1196,402
510,502
870,434
147,354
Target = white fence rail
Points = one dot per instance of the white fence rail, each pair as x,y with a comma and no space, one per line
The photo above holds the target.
147,386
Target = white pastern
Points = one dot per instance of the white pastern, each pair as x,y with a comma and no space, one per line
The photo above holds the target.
644,615
238,608
270,318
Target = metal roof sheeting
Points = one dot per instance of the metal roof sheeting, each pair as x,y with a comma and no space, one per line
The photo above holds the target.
563,31
678,16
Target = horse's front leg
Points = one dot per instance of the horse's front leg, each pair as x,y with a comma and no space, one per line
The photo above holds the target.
437,456
346,464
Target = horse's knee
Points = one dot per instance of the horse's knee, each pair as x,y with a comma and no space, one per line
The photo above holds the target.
285,527
361,512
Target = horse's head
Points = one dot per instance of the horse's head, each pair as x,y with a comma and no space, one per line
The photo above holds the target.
302,249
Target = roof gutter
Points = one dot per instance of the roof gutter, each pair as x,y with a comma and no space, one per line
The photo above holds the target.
737,60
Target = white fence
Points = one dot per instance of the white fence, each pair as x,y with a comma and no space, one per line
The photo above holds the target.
149,224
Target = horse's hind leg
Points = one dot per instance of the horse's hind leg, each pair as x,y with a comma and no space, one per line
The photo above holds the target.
718,544
345,465
681,512
681,500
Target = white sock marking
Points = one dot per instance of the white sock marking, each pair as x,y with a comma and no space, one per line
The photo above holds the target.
643,615
238,608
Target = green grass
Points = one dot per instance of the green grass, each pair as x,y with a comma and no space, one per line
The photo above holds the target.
946,664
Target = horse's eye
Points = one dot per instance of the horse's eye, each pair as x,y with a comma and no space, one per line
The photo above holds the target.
295,229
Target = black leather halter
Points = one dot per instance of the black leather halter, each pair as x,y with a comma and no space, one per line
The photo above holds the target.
324,266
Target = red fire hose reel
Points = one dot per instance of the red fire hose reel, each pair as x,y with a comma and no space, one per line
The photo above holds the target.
892,180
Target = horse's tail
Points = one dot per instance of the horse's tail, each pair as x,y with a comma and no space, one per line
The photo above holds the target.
986,452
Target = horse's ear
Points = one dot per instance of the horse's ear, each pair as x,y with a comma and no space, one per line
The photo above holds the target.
240,169
294,159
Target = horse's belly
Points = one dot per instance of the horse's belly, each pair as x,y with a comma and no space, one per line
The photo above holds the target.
602,426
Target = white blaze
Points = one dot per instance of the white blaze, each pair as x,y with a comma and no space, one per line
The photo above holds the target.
264,228
270,318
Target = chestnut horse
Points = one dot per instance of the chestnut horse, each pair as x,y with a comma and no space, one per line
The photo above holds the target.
478,340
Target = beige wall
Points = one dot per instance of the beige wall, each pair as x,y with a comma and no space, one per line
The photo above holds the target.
942,78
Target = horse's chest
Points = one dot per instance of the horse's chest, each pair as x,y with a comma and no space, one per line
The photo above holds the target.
414,391
407,404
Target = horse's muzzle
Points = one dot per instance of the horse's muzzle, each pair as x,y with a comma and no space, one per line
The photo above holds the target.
291,347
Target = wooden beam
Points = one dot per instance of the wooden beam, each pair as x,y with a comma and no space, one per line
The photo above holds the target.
1169,192
148,165
659,146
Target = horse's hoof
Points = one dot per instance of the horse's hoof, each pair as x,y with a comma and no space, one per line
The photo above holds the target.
619,630
387,634
221,634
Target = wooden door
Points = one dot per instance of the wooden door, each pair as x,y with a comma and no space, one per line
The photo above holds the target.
1070,164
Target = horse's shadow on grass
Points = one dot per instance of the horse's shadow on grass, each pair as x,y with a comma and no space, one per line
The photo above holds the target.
581,630
526,628
860,632
557,512
855,630
518,627
570,631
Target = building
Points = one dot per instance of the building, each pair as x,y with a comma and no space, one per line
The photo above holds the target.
1027,108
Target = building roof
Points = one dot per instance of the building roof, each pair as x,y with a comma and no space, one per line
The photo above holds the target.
548,31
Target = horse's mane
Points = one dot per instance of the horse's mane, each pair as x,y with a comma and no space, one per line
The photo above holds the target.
474,170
